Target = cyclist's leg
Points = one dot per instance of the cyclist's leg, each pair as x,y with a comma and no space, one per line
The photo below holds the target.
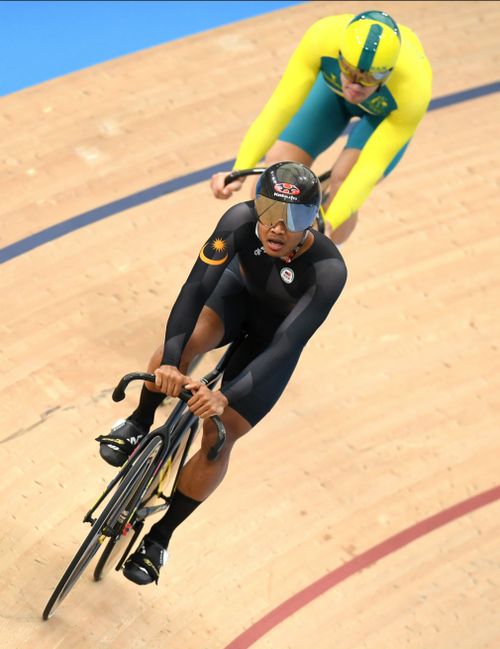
126,434
209,333
222,316
219,323
320,120
316,125
201,476
357,139
287,151
340,170
129,432
198,479
212,329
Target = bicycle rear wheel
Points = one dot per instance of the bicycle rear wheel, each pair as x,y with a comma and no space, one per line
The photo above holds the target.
112,519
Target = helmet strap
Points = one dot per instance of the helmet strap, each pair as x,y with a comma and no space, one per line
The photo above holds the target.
293,252
291,255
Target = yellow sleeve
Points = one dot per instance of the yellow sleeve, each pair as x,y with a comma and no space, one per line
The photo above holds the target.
411,87
388,138
287,98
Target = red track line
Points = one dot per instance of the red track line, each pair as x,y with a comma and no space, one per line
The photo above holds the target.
368,558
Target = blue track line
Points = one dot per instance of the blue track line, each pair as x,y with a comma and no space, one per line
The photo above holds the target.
76,222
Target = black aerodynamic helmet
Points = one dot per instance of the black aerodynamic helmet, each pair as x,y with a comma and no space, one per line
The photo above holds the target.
288,192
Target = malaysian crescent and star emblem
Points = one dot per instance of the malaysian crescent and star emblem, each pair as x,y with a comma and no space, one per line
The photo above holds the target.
212,255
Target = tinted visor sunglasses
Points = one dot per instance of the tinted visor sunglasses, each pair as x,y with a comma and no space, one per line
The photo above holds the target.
296,217
367,79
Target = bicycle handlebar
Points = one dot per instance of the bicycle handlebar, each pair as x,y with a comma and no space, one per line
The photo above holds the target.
241,173
185,395
119,391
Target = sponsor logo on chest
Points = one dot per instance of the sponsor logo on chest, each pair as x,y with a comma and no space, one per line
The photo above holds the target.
287,275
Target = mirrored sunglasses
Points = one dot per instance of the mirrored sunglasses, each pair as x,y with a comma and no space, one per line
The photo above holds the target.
295,217
366,79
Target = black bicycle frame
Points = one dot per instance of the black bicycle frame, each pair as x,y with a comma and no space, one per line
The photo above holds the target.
173,420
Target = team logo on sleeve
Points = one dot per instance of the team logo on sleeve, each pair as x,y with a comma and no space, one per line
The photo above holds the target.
214,252
378,104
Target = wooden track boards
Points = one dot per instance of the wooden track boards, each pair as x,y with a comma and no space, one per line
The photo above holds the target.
391,417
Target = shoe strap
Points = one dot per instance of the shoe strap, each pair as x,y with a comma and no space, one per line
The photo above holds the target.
123,444
143,561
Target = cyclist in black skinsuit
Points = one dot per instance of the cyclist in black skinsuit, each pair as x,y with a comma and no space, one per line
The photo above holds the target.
264,272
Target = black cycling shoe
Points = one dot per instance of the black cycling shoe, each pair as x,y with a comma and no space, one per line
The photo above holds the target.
143,566
116,447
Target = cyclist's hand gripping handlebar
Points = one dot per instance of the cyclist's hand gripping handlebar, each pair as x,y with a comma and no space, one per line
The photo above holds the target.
185,395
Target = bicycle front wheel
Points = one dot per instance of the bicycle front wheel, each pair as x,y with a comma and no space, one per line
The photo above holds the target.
112,519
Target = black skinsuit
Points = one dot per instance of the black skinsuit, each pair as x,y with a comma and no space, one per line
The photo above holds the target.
278,305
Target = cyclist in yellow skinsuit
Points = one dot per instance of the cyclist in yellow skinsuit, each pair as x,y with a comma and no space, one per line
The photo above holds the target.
345,66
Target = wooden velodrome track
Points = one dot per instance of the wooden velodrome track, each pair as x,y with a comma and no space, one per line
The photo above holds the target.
364,511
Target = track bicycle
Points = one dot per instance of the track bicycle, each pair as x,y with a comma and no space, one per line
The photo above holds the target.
137,491
324,180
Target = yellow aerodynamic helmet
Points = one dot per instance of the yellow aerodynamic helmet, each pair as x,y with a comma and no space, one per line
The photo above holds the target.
371,42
